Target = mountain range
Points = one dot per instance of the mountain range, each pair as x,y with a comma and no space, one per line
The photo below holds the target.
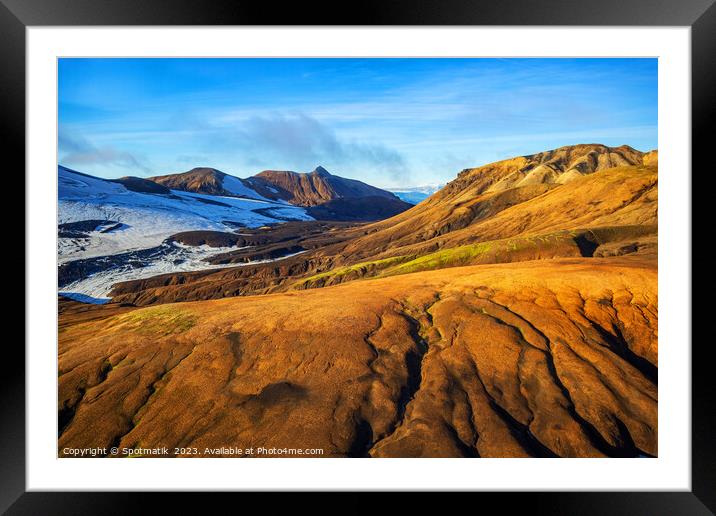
513,313
113,229
300,189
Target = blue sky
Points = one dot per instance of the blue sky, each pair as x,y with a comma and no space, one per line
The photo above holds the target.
389,122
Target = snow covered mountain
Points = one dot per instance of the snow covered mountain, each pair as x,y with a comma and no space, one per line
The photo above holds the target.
206,180
417,194
99,218
326,196
147,219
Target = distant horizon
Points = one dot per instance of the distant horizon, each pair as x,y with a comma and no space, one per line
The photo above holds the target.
397,187
391,123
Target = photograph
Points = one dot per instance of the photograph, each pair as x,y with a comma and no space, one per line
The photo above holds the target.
357,257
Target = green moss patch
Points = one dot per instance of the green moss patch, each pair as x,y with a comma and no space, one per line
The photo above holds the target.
360,269
157,320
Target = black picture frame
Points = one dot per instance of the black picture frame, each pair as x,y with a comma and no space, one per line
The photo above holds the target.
17,15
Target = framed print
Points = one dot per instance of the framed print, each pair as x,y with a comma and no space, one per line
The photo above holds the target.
413,250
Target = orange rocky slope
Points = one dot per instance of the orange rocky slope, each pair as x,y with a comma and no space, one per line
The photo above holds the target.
538,358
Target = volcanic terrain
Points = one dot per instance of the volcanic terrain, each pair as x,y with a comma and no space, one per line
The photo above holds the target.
514,313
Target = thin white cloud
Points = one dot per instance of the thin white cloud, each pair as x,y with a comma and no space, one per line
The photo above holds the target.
76,150
304,141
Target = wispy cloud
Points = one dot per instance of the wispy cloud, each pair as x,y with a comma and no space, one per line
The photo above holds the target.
77,150
302,139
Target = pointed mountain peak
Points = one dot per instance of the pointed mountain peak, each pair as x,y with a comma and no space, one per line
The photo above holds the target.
320,171
205,170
